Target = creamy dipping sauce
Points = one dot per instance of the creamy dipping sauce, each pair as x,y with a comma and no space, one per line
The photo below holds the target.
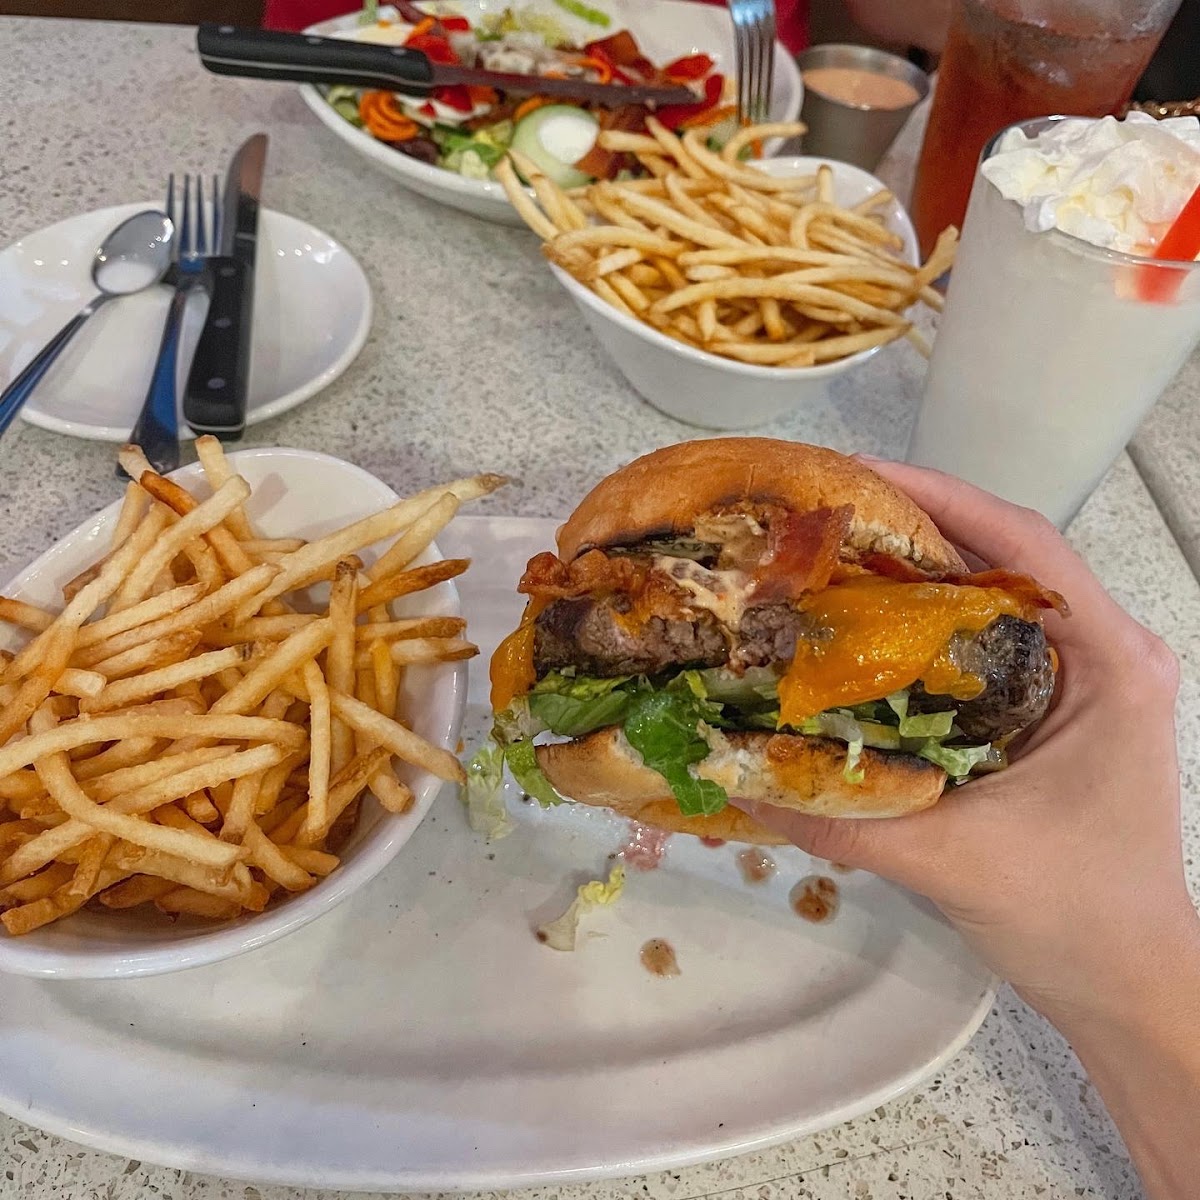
859,88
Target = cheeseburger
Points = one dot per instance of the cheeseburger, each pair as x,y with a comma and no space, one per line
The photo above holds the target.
768,620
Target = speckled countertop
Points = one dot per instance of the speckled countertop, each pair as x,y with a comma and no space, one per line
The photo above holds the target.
476,361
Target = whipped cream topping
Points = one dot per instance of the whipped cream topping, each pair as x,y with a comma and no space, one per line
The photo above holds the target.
1116,184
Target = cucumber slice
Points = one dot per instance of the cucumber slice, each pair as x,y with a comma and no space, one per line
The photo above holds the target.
556,136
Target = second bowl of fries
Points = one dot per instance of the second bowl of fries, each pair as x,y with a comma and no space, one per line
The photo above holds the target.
226,703
729,292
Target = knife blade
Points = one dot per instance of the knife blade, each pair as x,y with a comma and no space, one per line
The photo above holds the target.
214,400
304,58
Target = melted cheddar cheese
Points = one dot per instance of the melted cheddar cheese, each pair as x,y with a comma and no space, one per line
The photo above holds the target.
511,672
874,636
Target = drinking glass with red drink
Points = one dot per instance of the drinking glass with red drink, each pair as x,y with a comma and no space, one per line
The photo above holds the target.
1009,60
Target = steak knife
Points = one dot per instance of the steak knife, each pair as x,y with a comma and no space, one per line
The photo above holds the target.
304,58
214,400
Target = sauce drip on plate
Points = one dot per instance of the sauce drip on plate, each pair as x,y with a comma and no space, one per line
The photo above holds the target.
645,848
658,957
756,865
815,898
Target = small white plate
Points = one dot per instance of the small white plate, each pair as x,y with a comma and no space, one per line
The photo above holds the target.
419,1038
297,493
665,30
312,311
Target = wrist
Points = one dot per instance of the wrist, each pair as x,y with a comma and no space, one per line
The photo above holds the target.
1143,992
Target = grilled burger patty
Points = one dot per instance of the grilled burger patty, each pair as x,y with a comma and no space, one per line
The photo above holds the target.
596,637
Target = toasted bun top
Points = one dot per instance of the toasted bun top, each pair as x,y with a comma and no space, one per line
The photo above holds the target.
663,493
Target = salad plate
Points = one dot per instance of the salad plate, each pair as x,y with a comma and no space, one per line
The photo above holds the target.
312,313
665,31
420,1037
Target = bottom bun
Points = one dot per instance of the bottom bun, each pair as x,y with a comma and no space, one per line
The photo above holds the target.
791,771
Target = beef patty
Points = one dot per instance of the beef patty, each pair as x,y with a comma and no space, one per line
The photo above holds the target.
1013,660
594,636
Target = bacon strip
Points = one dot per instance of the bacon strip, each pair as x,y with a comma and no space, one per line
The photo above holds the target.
548,577
802,551
1023,587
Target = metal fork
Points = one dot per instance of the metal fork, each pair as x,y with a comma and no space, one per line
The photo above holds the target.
157,428
754,57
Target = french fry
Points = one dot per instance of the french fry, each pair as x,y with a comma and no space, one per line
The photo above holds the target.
181,749
218,472
200,520
129,893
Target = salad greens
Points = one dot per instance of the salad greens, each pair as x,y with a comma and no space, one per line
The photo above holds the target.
671,721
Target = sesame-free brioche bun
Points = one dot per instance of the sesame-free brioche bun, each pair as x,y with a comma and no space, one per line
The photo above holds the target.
792,771
664,492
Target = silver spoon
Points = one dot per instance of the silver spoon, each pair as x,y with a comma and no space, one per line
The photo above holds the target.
133,257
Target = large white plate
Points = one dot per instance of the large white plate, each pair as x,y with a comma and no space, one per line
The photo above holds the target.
312,311
665,30
295,493
419,1037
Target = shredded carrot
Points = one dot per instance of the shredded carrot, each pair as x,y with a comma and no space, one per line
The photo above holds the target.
383,119
602,69
529,104
482,95
711,116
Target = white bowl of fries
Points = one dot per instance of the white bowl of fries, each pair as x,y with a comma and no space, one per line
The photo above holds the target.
213,725
729,292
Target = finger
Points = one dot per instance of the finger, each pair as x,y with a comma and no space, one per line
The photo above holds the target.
906,850
1008,536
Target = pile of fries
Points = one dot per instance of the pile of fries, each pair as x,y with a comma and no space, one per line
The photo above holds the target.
193,729
729,259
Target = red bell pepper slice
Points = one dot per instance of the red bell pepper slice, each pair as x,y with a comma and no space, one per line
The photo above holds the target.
674,115
454,96
455,24
436,49
688,68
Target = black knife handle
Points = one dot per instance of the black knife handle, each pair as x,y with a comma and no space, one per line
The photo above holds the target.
214,400
305,58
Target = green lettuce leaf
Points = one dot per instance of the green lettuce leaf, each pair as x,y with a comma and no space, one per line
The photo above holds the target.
957,761
561,933
664,728
921,725
522,762
572,705
757,687
483,793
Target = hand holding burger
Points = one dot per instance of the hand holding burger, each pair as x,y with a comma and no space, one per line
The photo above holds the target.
770,621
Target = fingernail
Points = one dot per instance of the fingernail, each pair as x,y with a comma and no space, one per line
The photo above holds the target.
868,458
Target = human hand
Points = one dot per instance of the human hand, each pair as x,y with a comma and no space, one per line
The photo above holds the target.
1065,871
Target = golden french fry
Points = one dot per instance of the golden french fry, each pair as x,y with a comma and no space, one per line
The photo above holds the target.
25,616
401,742
133,689
528,211
416,539
139,889
756,133
200,520
320,751
218,472
416,579
186,901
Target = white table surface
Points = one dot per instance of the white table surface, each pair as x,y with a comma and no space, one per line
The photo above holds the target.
475,361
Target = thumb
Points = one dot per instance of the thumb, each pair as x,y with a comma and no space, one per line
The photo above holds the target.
902,849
